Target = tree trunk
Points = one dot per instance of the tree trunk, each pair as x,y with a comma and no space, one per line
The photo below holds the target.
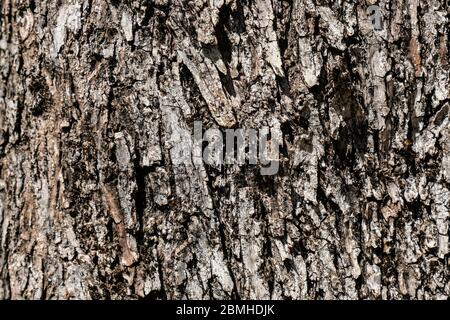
98,100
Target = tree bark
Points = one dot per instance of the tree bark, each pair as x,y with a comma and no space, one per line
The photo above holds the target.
98,98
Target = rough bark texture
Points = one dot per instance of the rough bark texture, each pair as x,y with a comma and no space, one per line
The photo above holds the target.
98,99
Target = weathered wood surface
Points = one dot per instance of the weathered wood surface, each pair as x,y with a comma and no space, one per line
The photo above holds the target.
97,104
